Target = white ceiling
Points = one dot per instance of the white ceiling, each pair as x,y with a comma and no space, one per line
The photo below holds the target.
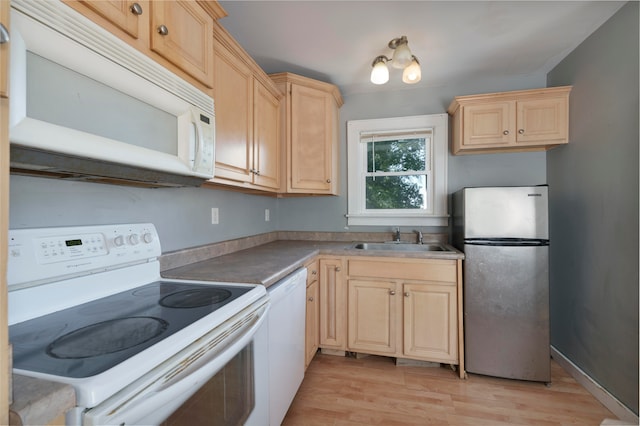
455,41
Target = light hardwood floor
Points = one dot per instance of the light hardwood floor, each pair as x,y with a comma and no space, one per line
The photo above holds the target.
374,391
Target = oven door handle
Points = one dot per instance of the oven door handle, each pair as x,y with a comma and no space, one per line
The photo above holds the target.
150,400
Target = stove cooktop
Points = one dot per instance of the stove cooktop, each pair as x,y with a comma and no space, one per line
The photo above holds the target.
90,338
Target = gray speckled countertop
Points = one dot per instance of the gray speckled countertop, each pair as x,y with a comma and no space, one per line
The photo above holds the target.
39,402
266,264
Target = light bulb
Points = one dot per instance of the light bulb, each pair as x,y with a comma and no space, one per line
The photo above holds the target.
412,74
380,72
401,55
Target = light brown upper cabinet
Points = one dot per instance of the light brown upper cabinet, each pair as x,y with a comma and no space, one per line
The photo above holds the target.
525,120
311,139
177,34
181,33
248,141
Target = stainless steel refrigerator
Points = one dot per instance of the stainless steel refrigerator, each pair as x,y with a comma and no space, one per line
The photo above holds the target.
504,234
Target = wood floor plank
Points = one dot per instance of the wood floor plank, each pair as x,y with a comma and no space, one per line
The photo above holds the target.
348,391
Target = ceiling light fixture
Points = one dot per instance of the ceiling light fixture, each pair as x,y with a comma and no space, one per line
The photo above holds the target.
402,59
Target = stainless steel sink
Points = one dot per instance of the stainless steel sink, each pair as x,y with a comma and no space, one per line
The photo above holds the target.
400,247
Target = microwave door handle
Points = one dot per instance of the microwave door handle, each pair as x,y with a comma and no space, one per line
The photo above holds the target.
199,144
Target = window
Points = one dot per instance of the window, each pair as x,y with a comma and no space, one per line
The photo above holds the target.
397,171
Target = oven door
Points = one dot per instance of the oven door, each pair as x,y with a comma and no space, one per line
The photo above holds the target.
237,395
155,396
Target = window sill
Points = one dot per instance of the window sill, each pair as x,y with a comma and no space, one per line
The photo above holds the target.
404,220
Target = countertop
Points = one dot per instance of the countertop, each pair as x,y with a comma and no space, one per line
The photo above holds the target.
266,264
39,402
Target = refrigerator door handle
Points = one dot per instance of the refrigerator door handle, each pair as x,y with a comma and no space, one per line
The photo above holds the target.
507,242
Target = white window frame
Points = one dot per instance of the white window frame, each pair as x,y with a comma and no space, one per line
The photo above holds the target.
436,187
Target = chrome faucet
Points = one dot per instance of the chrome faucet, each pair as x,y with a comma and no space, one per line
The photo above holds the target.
397,235
419,237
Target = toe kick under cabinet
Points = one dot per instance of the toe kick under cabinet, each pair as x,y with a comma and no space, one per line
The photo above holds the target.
400,307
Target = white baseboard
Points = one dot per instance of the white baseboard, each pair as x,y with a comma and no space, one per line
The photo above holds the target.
600,393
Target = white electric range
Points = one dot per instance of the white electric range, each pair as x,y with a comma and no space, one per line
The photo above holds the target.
88,307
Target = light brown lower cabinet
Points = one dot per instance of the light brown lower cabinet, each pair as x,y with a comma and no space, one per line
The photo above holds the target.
312,325
404,308
430,321
333,299
373,323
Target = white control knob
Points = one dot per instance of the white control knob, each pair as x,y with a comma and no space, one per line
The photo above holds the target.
147,237
118,241
133,239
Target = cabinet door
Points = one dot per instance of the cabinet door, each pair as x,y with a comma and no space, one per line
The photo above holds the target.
266,137
542,120
430,322
4,51
312,334
373,308
233,94
488,124
333,309
312,140
181,32
124,14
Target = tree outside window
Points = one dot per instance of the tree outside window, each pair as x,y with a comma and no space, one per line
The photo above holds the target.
397,171
396,176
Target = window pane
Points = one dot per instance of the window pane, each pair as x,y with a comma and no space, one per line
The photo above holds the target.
396,192
396,155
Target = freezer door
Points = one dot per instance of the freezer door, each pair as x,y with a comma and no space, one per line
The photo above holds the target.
506,311
506,212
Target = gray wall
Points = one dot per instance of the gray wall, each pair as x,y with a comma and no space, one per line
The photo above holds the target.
181,215
593,184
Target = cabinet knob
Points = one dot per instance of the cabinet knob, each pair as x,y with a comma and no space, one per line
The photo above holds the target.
506,132
163,30
311,299
392,292
521,131
314,272
136,9
4,34
257,172
328,180
406,294
338,269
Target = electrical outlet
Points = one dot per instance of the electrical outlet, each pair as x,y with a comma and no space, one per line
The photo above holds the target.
266,215
214,216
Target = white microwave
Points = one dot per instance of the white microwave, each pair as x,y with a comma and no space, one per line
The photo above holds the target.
86,105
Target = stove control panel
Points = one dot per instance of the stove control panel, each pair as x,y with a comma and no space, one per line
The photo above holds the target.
60,248
42,254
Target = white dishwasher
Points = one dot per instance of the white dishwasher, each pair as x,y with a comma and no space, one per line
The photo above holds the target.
286,342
